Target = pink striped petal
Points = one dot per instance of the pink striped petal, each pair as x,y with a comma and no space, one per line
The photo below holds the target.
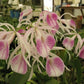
41,48
51,19
4,50
44,43
68,43
18,64
50,41
81,53
54,67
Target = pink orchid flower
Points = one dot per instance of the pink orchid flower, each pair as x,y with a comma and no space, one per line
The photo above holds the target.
44,44
18,64
68,42
81,53
4,49
54,66
23,43
51,19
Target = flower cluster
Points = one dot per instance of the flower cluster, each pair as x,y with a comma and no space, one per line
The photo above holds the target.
40,40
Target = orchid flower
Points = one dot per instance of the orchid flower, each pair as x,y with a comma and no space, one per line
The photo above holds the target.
68,42
39,41
54,66
29,37
18,64
51,19
44,43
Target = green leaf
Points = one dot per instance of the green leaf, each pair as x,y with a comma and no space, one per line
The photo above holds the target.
52,81
18,78
28,83
77,66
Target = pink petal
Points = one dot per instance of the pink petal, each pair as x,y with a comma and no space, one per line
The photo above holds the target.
41,44
68,43
81,53
72,43
41,48
50,41
52,21
54,67
54,16
72,23
21,31
18,64
65,40
4,50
